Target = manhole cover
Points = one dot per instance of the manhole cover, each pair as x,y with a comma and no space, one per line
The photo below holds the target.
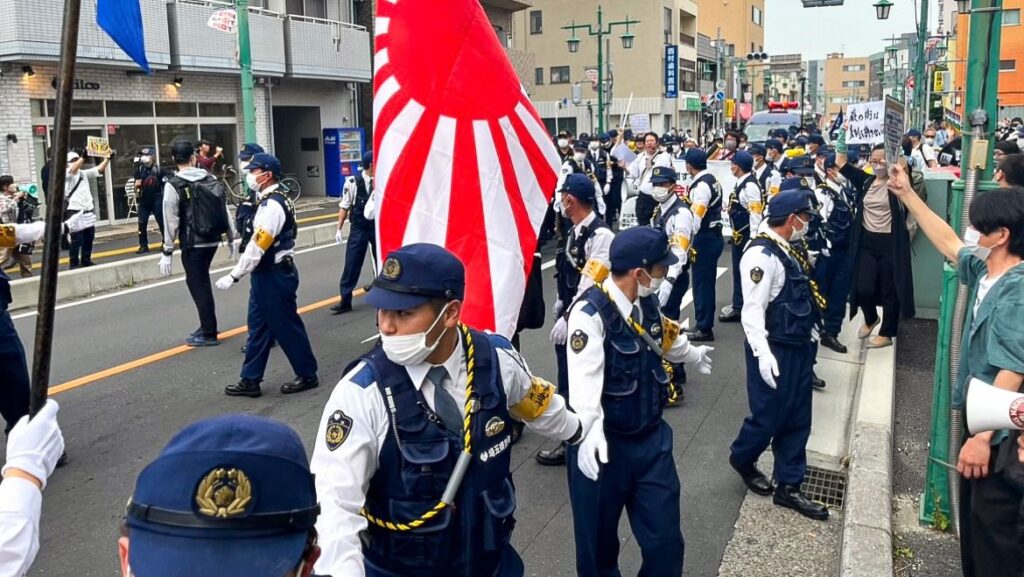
824,486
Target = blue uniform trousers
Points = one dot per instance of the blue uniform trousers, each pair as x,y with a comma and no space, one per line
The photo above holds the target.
641,477
778,417
359,239
14,381
737,281
274,316
510,565
833,274
709,245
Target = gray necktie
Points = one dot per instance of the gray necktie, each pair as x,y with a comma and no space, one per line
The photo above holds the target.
444,403
635,314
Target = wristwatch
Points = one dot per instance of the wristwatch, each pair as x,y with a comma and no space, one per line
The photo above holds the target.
168,252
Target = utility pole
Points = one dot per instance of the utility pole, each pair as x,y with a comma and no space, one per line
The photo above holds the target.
919,64
245,63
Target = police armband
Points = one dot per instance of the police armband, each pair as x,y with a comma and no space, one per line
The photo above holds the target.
596,270
680,240
263,239
8,236
756,207
536,401
700,210
669,333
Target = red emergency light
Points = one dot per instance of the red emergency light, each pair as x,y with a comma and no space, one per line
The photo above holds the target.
782,106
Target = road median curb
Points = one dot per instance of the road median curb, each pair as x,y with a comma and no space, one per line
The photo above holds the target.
867,521
83,282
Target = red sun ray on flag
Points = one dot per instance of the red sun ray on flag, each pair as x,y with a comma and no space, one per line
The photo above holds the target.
461,157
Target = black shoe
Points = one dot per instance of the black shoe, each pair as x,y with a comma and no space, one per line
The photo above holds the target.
63,460
341,308
142,250
729,314
73,266
553,458
817,382
244,388
753,478
790,497
699,336
201,340
300,384
831,342
88,263
517,431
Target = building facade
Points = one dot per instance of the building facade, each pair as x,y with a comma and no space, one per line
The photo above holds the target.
846,82
1011,59
788,78
564,87
815,96
307,61
740,23
876,72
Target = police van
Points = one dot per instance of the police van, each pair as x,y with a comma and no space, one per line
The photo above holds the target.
778,115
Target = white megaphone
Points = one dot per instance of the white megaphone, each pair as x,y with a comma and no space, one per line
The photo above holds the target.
990,408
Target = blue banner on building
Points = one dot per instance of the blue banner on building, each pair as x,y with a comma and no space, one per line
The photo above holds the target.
671,71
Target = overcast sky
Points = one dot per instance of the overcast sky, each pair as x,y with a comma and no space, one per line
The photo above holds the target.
851,29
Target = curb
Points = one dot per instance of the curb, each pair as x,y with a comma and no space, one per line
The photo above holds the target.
84,282
866,549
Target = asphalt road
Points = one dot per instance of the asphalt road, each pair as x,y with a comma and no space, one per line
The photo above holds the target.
116,422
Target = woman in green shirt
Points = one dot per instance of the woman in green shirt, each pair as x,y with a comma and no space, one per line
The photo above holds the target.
989,262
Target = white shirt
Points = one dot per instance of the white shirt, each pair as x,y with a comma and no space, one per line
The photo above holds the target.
642,167
700,197
21,504
985,284
81,199
269,221
757,295
569,168
348,194
923,156
586,366
343,475
749,198
679,228
598,247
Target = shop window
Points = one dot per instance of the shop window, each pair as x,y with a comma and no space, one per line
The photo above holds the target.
222,135
128,140
168,134
129,109
176,109
78,108
216,109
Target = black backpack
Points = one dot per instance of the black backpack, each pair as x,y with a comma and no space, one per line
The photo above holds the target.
204,204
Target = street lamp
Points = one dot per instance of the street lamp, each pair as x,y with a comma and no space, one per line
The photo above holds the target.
600,31
882,8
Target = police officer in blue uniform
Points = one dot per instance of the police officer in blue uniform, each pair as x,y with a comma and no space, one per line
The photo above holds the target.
706,205
412,458
745,211
230,496
616,177
780,313
273,310
149,185
361,233
618,343
833,271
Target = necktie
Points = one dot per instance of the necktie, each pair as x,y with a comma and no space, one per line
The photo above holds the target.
444,404
635,314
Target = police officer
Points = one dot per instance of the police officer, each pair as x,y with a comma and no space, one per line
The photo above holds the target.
815,143
745,208
598,158
617,175
229,495
640,171
780,311
14,380
833,271
564,143
618,386
273,312
764,169
580,163
149,183
412,458
673,217
581,262
774,154
361,232
706,205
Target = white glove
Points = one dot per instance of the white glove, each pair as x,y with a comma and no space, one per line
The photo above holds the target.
557,308
80,221
704,362
560,333
607,187
29,232
339,237
165,265
769,369
593,451
35,446
225,282
664,291
233,248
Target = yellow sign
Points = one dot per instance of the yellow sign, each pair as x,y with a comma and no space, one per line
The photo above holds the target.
730,107
940,85
96,146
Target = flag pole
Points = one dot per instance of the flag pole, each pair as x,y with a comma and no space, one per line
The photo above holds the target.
54,208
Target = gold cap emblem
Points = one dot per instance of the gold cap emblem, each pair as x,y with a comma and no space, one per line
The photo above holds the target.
392,269
494,426
224,493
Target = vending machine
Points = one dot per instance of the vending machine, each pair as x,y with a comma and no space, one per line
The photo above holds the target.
343,151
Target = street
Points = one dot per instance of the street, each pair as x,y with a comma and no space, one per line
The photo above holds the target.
116,424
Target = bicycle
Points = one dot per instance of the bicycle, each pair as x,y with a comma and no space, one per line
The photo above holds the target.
238,190
291,187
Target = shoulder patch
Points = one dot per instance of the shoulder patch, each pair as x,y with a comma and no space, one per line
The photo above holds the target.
339,425
578,341
756,274
499,342
588,309
363,377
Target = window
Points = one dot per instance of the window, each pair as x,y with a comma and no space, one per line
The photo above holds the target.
176,109
853,83
215,109
1007,65
755,15
257,3
853,68
125,108
538,76
668,25
559,75
536,22
1011,17
311,8
838,100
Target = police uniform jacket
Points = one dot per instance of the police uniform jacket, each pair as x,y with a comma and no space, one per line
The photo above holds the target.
349,464
675,218
355,199
273,236
748,199
705,201
642,168
590,240
570,166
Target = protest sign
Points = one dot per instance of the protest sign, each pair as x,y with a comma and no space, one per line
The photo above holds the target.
96,146
866,123
894,125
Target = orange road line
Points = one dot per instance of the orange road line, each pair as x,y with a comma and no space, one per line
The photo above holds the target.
173,352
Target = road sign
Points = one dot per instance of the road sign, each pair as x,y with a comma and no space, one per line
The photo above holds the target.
720,85
719,96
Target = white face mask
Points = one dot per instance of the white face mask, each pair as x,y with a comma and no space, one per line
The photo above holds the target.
563,143
971,239
408,350
660,193
146,159
646,291
579,156
929,141
595,145
801,233
252,181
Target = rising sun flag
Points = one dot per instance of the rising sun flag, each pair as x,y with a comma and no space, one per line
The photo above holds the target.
462,159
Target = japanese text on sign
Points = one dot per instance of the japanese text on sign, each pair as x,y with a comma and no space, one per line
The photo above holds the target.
671,71
866,123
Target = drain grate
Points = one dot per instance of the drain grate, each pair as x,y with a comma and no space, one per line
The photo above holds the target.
824,486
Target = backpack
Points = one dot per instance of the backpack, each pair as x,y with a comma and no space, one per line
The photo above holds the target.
205,204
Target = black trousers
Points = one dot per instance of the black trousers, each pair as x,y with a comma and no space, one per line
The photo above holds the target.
14,380
876,281
645,205
150,207
81,246
196,262
992,520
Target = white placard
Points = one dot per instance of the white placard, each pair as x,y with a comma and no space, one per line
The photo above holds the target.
640,123
867,123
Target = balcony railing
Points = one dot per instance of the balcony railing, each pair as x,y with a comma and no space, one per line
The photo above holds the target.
318,48
687,40
197,47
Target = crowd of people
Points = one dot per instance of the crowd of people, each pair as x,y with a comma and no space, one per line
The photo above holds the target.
411,471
